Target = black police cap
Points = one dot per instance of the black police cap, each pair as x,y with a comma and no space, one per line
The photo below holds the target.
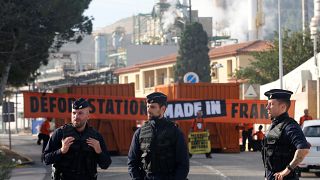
80,104
278,94
157,97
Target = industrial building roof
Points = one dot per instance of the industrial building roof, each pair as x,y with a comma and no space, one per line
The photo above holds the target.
214,53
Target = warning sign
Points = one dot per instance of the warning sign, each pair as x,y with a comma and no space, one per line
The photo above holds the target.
199,142
251,93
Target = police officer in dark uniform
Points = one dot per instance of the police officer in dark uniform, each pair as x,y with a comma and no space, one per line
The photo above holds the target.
75,149
158,149
285,145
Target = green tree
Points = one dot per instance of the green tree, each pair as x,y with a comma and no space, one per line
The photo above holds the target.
29,29
193,53
297,48
6,166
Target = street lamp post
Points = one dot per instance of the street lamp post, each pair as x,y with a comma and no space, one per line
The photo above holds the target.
314,33
8,119
280,46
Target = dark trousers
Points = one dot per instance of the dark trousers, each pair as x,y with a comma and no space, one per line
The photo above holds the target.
45,138
72,176
247,135
259,145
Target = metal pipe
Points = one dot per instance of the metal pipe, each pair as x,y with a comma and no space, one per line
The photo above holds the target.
315,49
134,30
252,20
280,46
304,11
315,39
9,121
318,96
16,112
139,29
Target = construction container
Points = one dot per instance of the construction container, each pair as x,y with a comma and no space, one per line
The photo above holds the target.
118,133
223,136
126,90
200,91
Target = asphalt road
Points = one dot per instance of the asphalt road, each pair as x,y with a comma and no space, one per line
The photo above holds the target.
239,166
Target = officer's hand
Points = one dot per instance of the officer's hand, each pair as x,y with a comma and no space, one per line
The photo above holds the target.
282,174
66,143
95,144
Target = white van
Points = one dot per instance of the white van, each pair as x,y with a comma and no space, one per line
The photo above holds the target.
311,162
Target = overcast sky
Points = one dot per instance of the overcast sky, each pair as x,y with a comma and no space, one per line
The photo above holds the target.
106,12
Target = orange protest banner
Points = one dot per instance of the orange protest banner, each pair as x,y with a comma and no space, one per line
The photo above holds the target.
58,105
247,111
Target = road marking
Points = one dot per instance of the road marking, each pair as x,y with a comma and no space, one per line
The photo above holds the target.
215,171
119,169
112,175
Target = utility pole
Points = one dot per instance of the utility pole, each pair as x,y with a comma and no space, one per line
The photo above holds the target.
190,14
304,10
280,46
9,120
16,111
314,35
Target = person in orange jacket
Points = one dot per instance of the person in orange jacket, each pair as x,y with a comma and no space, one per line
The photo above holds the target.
198,125
260,135
305,117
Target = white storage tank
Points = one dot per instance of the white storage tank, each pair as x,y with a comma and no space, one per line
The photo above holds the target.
100,50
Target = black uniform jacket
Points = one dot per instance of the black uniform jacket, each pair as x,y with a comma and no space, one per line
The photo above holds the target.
52,153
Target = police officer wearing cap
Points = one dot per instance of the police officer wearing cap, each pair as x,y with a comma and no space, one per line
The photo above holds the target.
285,145
75,149
158,149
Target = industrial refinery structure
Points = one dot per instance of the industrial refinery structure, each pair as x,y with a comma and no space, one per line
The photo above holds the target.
159,31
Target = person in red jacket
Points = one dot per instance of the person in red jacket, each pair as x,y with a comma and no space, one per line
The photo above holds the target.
260,136
305,117
44,133
198,125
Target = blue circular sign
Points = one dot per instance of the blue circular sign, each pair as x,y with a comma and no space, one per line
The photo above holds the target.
191,77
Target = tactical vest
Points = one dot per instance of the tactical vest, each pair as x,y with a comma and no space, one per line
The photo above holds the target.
158,147
277,151
80,158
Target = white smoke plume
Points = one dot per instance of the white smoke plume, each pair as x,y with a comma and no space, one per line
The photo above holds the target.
170,15
237,16
229,17
209,8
